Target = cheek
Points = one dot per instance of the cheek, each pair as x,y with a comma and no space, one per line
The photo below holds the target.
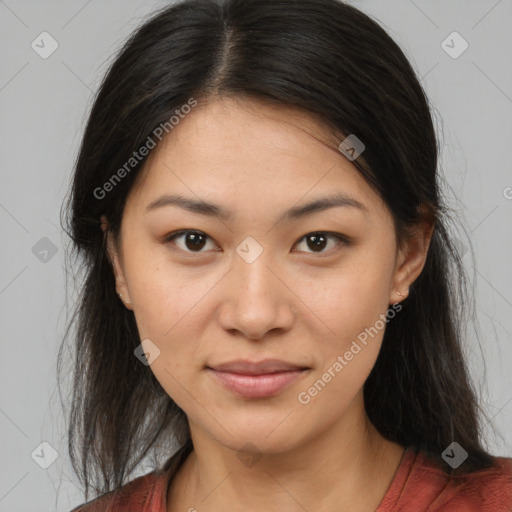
352,304
347,357
169,309
172,327
350,298
167,297
172,315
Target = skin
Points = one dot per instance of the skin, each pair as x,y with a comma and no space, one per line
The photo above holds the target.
208,305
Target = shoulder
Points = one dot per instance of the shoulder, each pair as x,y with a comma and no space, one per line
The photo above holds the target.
134,496
420,483
487,490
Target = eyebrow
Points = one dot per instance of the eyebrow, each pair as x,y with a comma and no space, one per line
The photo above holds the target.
212,210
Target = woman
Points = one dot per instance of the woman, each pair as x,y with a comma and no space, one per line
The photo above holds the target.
269,279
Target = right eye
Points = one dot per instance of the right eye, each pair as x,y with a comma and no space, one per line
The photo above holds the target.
191,241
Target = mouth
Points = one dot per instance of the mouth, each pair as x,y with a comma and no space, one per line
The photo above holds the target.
257,380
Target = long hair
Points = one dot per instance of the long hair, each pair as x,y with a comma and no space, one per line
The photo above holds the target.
329,60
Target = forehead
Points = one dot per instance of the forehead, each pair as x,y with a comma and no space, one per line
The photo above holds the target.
247,152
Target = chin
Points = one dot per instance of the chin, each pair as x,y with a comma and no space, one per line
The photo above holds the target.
271,437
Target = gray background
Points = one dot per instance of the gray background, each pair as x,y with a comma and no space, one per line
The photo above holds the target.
43,105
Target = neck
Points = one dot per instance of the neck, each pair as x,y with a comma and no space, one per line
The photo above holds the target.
347,468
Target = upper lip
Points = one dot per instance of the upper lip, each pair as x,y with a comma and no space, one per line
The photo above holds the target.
266,366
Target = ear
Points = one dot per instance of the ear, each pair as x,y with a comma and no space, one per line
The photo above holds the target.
411,259
115,260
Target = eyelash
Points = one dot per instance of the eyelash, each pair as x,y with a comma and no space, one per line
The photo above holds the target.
343,240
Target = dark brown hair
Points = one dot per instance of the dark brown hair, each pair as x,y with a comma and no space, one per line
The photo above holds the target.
325,58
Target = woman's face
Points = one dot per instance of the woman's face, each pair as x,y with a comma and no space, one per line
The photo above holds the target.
251,285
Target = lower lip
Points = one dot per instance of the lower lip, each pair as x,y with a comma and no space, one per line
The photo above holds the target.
256,386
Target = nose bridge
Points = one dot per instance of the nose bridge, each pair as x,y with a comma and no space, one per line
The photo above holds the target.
251,262
255,274
254,278
256,299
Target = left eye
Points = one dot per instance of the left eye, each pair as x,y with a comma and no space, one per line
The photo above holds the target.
194,241
318,240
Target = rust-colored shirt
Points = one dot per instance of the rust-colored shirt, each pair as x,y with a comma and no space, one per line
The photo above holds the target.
418,486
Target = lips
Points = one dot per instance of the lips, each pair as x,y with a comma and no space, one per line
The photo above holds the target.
257,379
267,366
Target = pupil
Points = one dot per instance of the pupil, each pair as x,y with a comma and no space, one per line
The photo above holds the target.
195,239
320,240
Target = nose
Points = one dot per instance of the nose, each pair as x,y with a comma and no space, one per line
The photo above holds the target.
256,299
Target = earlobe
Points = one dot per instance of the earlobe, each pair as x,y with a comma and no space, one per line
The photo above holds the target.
103,223
113,256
